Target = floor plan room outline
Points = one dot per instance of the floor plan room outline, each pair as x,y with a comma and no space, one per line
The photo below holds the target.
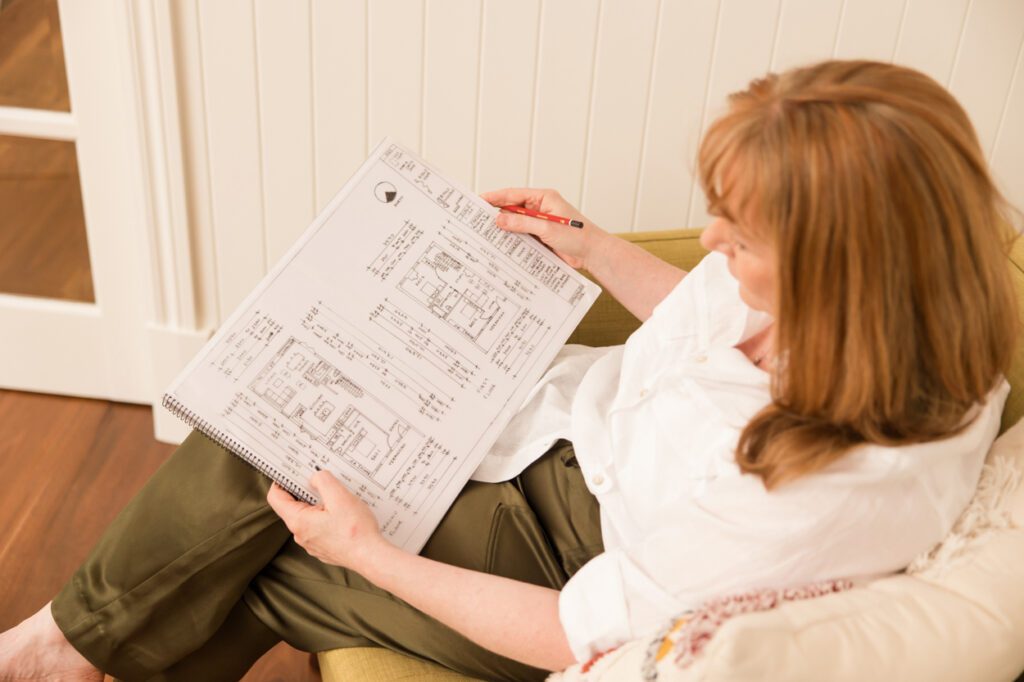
463,298
332,409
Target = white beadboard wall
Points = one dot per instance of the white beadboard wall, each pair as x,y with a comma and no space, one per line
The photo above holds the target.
604,100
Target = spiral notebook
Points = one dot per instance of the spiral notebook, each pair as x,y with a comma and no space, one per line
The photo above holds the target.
390,345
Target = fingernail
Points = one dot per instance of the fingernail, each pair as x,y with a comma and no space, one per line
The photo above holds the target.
501,220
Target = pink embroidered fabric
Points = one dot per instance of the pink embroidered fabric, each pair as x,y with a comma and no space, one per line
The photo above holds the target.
683,639
686,636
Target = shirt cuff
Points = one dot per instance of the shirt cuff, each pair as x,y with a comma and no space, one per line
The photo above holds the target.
592,608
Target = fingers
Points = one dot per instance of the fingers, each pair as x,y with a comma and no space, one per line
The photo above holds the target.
284,505
513,222
330,490
515,196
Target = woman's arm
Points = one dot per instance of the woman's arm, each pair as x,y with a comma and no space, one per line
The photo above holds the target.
515,619
635,278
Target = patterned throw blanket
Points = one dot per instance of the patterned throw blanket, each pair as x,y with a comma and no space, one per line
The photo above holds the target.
685,637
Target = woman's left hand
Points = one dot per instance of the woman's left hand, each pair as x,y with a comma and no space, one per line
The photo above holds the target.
341,530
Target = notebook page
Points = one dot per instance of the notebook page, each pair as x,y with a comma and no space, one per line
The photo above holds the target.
390,345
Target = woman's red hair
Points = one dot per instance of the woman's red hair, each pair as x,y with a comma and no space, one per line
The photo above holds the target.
896,311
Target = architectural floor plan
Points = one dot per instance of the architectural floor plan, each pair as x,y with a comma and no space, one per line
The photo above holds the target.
389,346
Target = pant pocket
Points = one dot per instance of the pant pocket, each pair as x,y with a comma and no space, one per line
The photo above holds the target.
566,453
518,548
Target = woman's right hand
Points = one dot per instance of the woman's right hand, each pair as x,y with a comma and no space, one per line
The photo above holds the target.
574,245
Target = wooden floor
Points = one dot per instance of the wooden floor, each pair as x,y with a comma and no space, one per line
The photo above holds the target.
68,465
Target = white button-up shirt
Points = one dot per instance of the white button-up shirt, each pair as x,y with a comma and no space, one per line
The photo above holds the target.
654,425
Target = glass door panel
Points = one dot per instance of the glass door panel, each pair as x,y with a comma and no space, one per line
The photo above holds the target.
32,56
43,246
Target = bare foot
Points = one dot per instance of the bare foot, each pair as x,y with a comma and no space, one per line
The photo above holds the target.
37,650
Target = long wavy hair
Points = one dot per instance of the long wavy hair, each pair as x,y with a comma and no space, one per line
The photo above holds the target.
896,311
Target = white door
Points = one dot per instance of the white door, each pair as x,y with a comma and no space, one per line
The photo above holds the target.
74,289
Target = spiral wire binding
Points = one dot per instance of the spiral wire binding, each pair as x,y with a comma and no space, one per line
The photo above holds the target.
233,446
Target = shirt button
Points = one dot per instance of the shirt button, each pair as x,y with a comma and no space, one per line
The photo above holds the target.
701,358
597,479
643,392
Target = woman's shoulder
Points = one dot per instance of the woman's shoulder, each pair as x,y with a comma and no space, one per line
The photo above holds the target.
707,306
980,428
939,471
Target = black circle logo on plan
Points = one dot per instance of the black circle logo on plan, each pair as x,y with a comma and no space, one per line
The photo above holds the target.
385,192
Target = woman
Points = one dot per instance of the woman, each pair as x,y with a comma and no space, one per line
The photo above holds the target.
813,401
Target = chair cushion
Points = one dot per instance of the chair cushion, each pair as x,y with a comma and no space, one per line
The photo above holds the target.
374,663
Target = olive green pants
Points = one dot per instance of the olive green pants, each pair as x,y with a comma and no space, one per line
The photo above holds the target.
197,577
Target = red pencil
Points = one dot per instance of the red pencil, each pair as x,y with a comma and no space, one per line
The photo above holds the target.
543,216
